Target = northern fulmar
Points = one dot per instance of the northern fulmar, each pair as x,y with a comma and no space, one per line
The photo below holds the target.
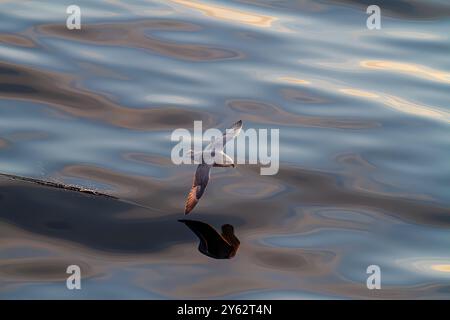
202,173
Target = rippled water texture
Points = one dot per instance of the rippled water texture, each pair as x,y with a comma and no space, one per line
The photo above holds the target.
364,148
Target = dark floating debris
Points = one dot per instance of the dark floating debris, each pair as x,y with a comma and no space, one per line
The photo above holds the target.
213,244
58,185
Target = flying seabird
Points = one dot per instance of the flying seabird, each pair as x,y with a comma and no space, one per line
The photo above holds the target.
201,176
213,244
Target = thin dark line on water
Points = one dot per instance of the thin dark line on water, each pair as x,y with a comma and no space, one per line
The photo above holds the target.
58,185
73,188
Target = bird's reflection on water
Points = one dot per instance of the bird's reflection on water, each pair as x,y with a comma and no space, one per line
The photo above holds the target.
212,243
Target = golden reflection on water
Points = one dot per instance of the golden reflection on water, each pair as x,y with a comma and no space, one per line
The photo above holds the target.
387,100
416,109
441,267
426,266
294,80
359,93
229,14
400,104
407,68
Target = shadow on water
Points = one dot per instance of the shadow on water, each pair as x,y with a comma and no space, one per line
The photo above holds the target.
93,220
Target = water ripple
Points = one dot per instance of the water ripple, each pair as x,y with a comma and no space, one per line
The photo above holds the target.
364,147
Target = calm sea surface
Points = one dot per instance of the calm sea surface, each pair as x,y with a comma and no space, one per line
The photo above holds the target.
364,120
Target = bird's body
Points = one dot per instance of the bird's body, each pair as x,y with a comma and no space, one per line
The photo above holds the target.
213,150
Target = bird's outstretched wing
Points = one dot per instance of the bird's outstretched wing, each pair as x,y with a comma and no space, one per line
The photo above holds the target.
232,132
199,184
229,134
